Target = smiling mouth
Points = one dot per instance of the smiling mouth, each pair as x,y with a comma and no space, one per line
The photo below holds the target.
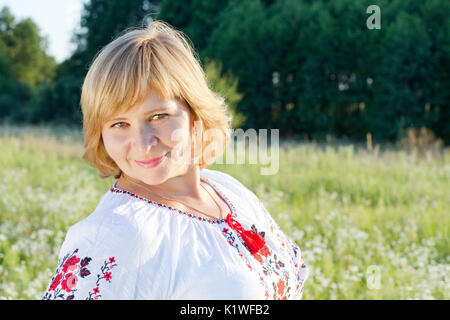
152,162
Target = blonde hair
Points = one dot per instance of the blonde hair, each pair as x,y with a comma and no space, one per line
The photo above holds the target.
157,57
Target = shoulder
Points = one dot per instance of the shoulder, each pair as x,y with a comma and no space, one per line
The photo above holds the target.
112,223
246,202
103,231
230,182
223,178
243,195
99,258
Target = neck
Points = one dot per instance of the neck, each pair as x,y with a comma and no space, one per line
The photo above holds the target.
184,186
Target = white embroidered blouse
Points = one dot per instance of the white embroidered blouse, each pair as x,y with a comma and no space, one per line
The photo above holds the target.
134,248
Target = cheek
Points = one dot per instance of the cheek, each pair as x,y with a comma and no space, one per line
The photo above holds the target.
115,145
175,135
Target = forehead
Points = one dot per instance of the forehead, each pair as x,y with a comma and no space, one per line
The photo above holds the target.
153,101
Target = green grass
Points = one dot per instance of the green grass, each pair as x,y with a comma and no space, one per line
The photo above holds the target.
350,211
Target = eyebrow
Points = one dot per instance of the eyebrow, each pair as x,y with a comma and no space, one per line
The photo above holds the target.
160,108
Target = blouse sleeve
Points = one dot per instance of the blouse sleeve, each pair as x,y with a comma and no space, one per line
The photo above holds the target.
96,261
294,250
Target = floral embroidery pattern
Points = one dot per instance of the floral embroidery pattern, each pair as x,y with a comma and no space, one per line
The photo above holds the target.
64,283
231,238
106,276
274,276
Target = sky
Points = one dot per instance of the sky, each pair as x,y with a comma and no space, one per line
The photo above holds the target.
56,20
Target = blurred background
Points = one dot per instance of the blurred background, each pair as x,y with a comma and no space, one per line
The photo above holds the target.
363,116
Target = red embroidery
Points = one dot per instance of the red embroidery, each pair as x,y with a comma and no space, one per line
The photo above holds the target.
106,275
69,273
55,282
280,286
70,264
258,258
69,282
66,277
265,251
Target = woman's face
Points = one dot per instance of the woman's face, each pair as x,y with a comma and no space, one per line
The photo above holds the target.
156,128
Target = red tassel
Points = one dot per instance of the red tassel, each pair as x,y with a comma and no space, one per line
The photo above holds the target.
253,240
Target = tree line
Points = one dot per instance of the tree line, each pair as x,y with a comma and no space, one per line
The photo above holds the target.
308,67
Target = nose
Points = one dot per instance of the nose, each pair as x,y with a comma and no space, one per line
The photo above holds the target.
144,139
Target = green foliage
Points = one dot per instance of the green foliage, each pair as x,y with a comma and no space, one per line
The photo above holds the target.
236,42
313,67
24,65
101,22
25,49
13,94
57,102
197,18
227,87
408,87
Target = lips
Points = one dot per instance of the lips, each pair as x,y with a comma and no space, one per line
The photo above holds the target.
151,163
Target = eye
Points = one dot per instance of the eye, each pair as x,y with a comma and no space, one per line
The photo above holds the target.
122,124
115,125
160,114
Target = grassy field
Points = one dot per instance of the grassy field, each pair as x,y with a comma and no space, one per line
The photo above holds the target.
370,224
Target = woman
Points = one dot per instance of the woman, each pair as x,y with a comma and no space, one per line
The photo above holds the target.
168,228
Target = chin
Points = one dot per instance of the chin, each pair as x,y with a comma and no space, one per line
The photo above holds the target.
154,177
